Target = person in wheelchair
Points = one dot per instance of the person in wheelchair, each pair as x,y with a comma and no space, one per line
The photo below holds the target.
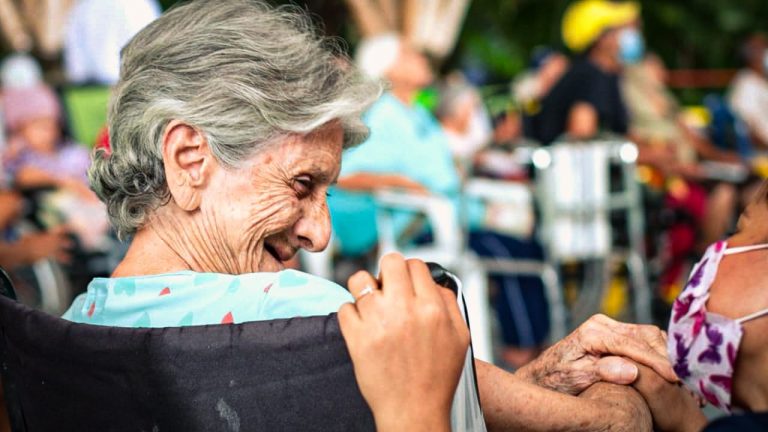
48,168
227,128
403,136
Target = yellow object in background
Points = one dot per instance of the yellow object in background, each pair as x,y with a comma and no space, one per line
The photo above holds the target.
670,293
760,166
696,116
615,299
585,21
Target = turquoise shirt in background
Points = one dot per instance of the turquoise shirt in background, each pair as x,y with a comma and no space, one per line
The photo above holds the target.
405,140
188,298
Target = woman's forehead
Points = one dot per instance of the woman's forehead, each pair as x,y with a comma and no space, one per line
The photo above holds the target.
318,153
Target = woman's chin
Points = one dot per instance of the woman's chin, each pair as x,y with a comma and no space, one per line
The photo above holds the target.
270,264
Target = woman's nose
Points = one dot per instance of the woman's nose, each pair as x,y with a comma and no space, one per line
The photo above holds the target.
314,228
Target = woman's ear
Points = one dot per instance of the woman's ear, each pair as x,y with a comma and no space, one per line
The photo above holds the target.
188,164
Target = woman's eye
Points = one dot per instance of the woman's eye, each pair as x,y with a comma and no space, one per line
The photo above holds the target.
303,185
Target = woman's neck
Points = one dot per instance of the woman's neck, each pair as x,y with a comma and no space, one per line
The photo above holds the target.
148,254
174,239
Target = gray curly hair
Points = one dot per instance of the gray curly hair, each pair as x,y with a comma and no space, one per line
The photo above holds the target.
243,73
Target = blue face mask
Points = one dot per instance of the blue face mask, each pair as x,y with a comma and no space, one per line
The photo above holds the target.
631,46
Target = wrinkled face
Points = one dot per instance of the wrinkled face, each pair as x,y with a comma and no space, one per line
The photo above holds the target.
275,203
41,134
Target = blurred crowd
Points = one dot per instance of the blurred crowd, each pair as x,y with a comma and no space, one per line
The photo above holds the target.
432,134
48,131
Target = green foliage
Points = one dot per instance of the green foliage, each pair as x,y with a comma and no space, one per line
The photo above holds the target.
499,35
686,33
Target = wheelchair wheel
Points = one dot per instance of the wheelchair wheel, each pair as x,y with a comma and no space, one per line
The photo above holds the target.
42,285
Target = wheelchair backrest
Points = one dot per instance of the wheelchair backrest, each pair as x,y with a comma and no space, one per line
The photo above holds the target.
289,374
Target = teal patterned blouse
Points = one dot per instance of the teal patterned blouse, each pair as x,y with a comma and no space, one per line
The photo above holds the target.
188,298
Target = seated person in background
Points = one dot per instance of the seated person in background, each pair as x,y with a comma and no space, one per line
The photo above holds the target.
748,94
655,117
480,146
216,195
656,124
38,157
546,68
587,98
408,142
464,119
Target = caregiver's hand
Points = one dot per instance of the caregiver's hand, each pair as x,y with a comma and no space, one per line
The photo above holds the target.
407,341
590,354
673,407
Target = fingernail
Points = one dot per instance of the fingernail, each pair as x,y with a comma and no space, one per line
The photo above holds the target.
627,372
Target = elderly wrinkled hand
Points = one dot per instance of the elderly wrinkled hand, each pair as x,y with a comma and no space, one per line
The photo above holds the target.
407,341
594,351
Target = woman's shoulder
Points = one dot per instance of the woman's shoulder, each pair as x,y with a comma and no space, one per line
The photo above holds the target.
294,293
192,298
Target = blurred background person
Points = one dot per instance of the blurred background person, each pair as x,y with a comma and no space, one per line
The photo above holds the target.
656,123
409,149
587,98
529,88
748,95
464,119
37,157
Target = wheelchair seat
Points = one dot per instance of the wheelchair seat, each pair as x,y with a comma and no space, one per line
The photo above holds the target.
287,374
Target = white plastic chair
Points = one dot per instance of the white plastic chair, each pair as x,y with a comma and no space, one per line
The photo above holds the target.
576,194
520,197
447,249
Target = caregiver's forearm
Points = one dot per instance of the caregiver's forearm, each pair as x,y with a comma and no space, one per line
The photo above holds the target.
512,404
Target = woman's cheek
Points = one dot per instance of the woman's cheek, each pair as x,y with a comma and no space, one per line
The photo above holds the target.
274,213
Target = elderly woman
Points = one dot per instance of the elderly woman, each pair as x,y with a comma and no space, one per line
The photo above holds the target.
227,128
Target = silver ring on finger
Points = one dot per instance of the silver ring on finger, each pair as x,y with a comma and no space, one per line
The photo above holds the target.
364,292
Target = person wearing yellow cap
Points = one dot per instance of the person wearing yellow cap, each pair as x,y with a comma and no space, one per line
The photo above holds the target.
604,36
